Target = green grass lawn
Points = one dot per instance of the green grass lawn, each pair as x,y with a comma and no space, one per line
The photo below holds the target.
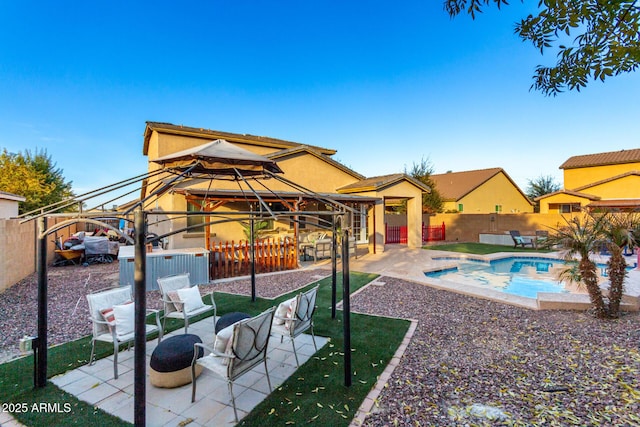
314,394
480,248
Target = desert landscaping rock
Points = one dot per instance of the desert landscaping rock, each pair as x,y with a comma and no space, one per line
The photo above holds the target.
470,361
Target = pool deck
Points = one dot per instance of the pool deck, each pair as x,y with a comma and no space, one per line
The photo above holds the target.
411,264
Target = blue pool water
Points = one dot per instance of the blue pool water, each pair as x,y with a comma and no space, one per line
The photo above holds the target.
519,276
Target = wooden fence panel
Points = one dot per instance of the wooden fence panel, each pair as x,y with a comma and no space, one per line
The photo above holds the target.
231,259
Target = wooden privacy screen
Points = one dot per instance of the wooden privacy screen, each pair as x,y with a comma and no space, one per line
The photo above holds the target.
231,259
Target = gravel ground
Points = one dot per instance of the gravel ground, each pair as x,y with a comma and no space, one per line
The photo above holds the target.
68,311
478,362
470,361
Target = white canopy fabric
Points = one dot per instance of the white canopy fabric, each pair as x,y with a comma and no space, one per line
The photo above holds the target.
219,157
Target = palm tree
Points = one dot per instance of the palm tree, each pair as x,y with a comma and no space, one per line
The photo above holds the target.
619,232
582,237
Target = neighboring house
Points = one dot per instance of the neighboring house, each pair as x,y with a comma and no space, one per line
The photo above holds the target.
481,191
9,204
597,181
311,167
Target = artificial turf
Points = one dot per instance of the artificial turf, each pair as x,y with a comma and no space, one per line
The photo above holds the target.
316,393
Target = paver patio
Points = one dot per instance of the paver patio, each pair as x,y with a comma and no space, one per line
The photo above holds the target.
169,407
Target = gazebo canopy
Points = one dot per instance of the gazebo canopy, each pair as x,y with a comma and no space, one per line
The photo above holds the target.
219,157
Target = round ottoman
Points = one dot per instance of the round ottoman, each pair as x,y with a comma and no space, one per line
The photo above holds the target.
171,361
229,319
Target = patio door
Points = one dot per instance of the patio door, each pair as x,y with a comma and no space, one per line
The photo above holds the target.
359,223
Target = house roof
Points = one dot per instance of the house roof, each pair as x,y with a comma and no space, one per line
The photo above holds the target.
615,203
454,186
209,134
10,196
570,193
377,183
602,159
314,152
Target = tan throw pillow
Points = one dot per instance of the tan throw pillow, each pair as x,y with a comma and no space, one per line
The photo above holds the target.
223,343
177,302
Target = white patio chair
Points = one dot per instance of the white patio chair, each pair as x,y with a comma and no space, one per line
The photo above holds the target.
232,357
112,315
294,317
180,300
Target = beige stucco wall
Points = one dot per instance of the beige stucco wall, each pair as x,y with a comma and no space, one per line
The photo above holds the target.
467,227
312,172
575,178
376,215
498,190
622,188
551,204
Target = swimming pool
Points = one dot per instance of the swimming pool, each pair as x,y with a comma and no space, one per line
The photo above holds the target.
523,276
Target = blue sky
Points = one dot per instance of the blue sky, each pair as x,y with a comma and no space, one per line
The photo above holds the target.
384,83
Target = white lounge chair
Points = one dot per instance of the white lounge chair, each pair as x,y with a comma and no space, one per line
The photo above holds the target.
112,315
294,317
237,353
180,300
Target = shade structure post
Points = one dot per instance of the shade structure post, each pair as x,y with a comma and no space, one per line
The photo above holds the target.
40,347
334,266
140,339
252,254
346,307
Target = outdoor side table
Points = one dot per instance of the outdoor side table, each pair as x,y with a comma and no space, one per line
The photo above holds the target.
170,364
229,319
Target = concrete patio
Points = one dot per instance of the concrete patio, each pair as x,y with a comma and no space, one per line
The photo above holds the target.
170,407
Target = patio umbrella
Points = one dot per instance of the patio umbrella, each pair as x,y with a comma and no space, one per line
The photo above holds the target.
219,157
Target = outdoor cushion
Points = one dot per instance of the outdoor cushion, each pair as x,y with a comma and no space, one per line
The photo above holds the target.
223,343
175,298
281,311
109,317
124,315
191,298
170,364
291,312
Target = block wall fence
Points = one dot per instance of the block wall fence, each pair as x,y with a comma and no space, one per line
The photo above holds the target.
18,249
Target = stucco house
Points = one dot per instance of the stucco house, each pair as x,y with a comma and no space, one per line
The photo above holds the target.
9,204
481,191
309,166
607,180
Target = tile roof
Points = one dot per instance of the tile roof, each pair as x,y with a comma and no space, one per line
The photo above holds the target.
455,185
615,203
602,159
570,193
380,182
